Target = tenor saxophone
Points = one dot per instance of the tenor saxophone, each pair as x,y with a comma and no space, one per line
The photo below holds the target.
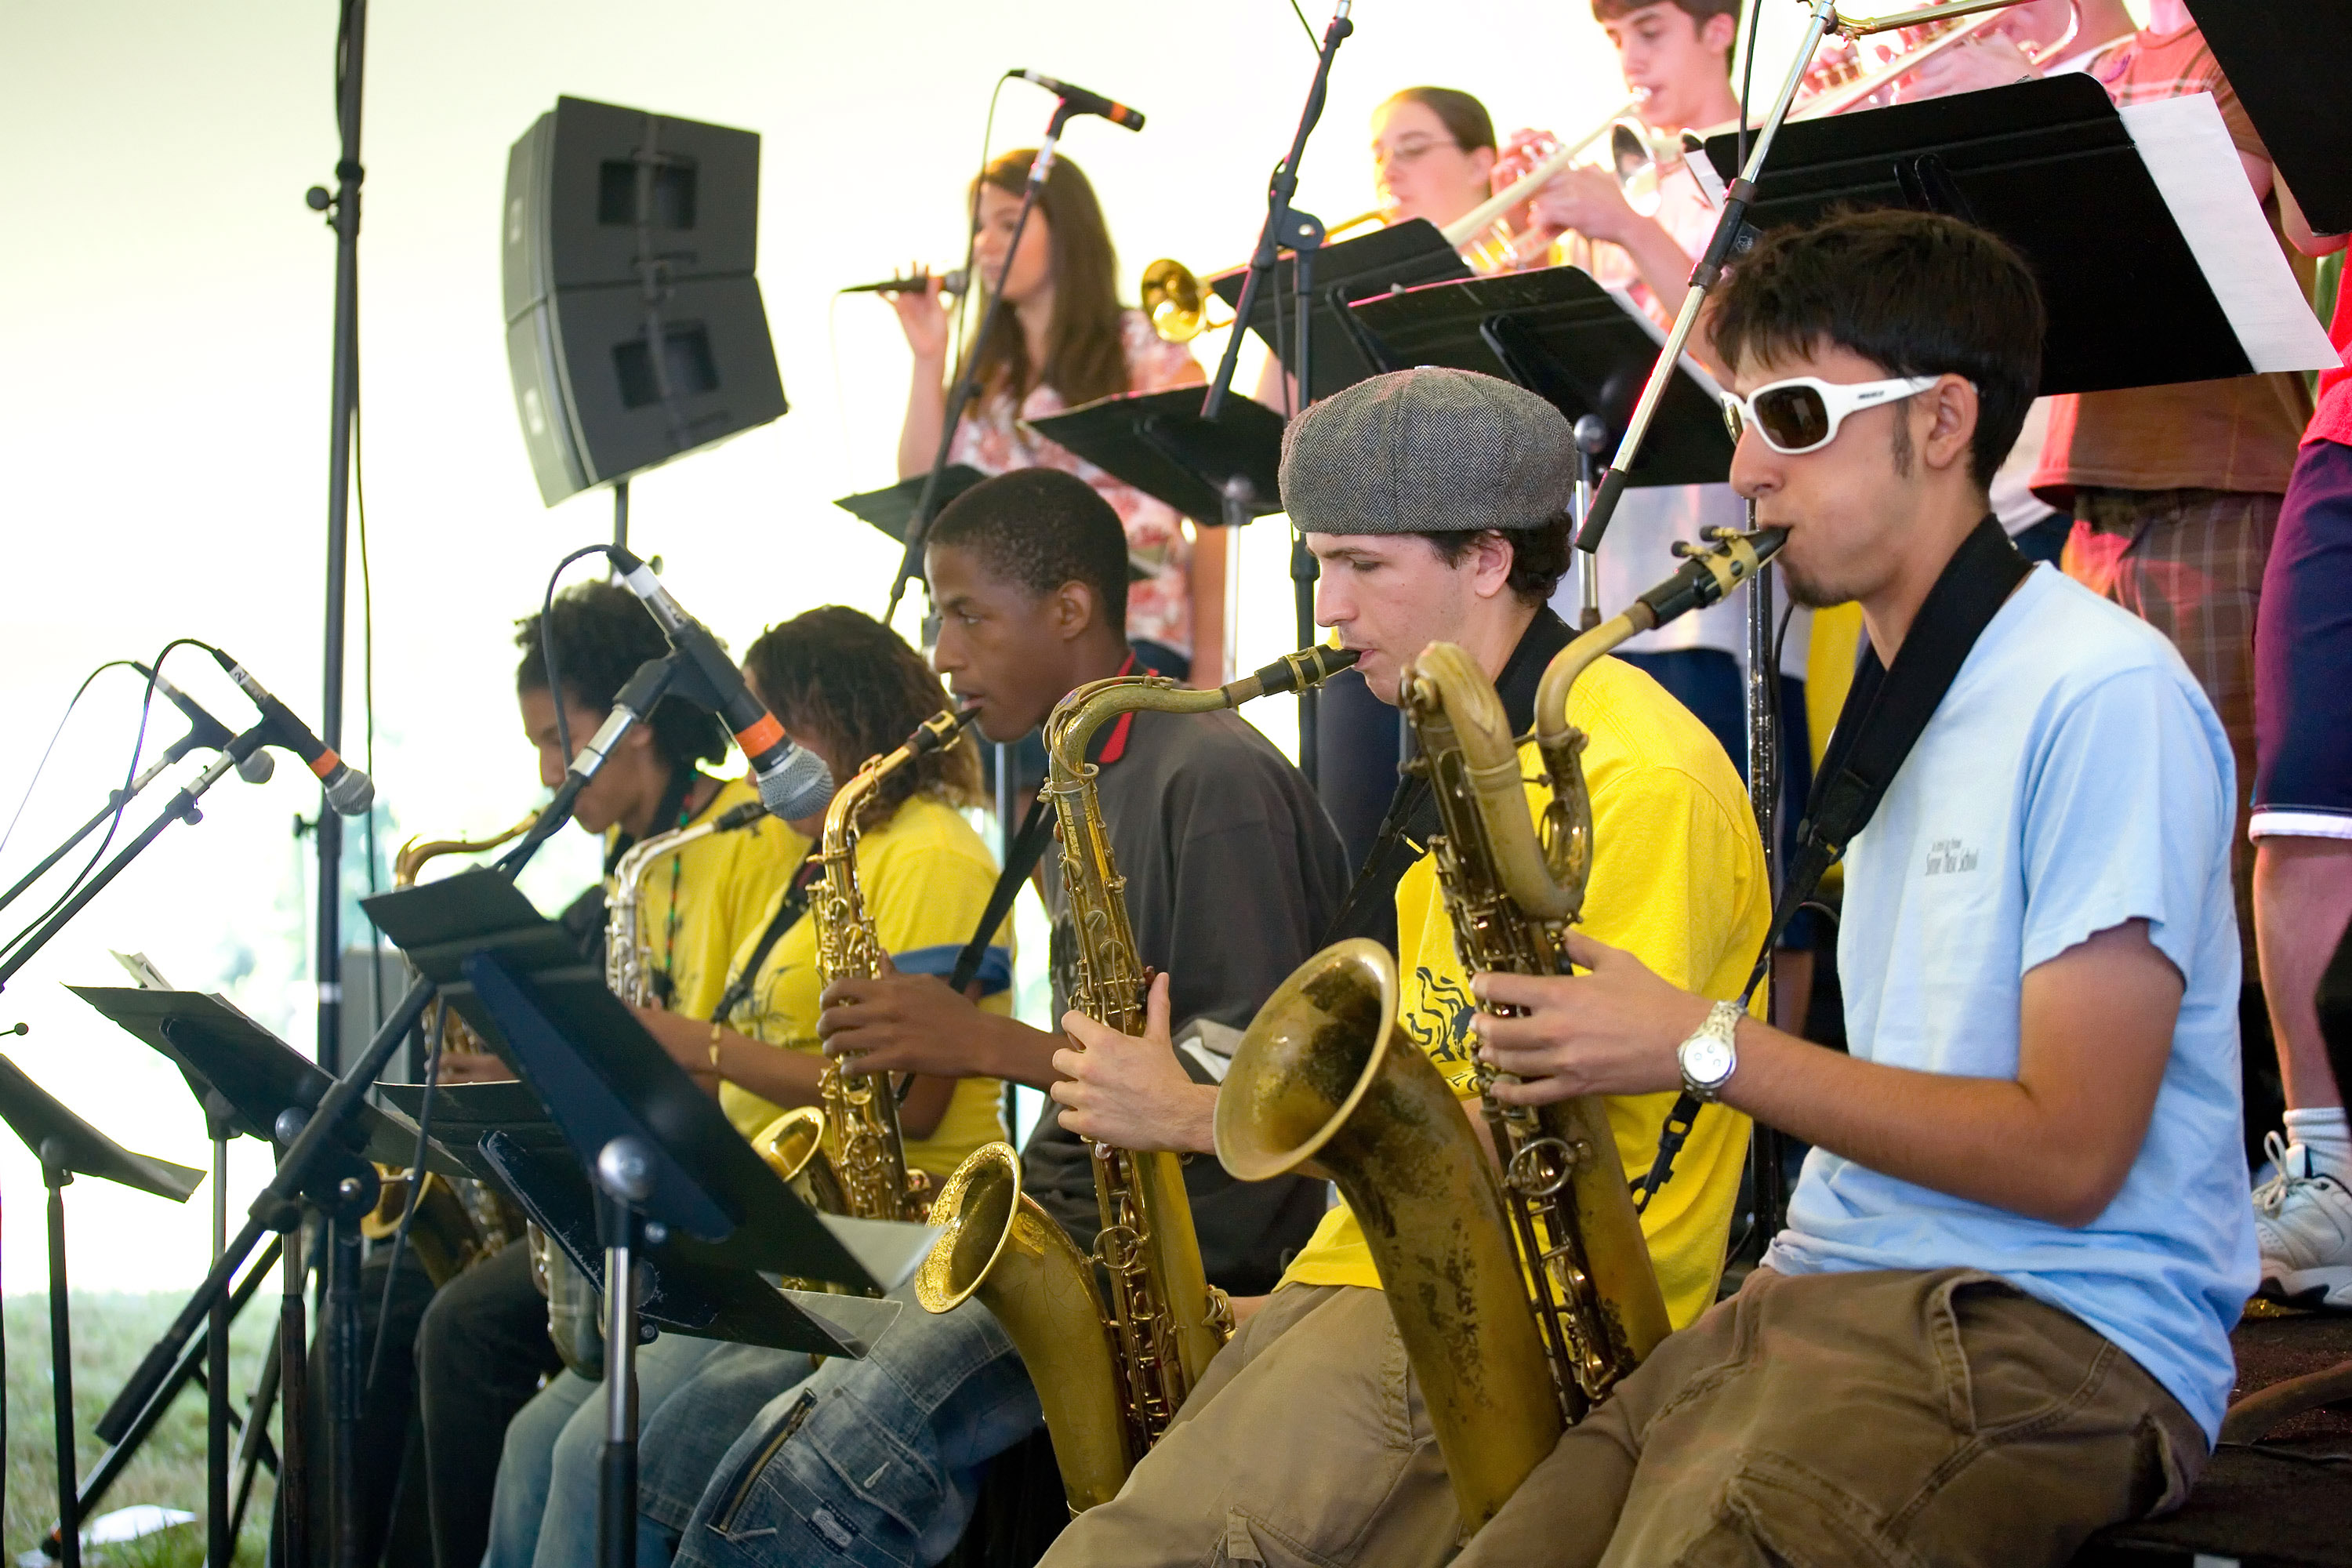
1111,1367
861,1140
1522,1301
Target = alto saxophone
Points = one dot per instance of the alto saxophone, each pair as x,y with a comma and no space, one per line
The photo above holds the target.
459,1223
1524,1300
1110,1371
862,1142
572,1315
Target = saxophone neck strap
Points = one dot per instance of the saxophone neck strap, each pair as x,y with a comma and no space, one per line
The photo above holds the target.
789,910
1886,711
1412,817
1028,849
666,815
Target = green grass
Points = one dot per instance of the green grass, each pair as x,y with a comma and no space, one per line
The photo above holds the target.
111,1334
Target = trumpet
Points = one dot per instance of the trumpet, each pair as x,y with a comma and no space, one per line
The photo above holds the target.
1474,228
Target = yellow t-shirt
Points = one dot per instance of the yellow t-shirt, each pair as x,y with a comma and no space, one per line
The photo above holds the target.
926,876
702,902
1677,880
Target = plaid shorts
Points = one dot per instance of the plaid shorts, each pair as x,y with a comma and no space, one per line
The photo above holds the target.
2188,563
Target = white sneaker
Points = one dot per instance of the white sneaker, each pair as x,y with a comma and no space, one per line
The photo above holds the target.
2303,1220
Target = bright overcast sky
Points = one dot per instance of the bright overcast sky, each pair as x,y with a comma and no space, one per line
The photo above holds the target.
165,418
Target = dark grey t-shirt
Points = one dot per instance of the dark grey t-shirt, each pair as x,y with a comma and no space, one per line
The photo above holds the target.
1233,871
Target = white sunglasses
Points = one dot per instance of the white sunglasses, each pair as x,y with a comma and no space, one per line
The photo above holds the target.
1803,414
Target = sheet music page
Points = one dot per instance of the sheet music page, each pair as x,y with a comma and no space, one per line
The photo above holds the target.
2188,153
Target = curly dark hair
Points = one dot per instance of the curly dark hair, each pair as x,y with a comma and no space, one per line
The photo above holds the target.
1042,528
601,634
1919,293
852,685
1538,556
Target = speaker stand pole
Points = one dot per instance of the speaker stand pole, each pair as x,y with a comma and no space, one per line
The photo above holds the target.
620,516
342,210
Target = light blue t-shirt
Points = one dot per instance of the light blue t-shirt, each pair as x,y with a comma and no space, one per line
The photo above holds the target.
2073,778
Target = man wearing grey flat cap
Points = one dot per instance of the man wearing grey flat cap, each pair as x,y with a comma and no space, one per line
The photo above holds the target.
1436,502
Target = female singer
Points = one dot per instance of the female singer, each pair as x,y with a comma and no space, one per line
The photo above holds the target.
1067,341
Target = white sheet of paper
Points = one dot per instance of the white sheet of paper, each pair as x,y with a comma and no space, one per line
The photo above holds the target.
2189,152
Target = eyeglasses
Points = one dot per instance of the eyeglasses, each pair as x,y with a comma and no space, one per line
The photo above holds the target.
1803,414
1408,153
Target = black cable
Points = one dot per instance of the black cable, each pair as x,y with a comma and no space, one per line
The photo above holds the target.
959,324
546,646
1311,36
54,735
1748,76
367,693
114,822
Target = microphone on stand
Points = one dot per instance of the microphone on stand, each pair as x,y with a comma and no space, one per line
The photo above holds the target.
349,791
1079,100
950,282
793,781
208,733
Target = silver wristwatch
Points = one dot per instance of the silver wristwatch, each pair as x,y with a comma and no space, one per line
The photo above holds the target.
1709,1058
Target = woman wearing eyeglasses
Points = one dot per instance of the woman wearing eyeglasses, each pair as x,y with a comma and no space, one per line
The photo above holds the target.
1432,155
1064,340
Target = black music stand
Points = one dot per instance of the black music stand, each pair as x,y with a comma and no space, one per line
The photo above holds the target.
666,1166
1399,257
1223,473
2147,281
67,1146
2288,63
252,1084
892,508
1582,347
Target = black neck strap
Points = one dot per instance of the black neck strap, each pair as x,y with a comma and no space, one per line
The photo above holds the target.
674,797
1886,712
789,910
1412,810
1028,849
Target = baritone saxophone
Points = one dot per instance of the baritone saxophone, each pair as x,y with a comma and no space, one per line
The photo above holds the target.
1111,1366
1523,1296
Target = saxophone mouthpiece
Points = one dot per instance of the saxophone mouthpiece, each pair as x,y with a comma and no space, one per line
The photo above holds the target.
940,729
742,815
1712,572
1293,672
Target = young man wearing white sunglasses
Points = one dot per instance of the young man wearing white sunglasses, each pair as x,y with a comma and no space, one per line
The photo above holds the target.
1999,1317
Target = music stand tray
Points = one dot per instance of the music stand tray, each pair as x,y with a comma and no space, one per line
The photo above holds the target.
1158,442
2156,264
1582,347
1399,256
598,1075
214,1045
892,508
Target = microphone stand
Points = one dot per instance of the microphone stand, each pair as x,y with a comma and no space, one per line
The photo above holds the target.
1301,234
181,808
967,384
1768,1144
309,1175
198,739
1732,239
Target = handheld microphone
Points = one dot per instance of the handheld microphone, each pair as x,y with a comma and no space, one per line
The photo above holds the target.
349,791
950,282
208,733
1079,100
793,781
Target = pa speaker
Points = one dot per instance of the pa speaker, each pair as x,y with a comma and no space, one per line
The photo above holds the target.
635,327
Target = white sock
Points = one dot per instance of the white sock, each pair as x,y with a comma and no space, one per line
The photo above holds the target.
2324,1132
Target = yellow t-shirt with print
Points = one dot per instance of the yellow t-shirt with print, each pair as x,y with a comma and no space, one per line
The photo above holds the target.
700,903
926,876
1677,880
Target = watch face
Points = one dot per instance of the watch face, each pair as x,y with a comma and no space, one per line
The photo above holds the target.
1707,1060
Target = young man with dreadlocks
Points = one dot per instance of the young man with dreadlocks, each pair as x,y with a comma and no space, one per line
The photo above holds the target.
483,1345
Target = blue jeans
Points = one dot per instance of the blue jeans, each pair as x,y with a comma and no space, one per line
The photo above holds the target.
558,1437
871,1463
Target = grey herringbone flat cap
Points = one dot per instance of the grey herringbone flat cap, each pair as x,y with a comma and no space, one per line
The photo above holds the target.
1427,450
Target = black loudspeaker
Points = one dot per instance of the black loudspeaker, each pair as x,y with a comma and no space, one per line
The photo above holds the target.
634,330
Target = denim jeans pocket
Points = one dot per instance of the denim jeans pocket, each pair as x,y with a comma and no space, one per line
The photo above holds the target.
2018,1369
